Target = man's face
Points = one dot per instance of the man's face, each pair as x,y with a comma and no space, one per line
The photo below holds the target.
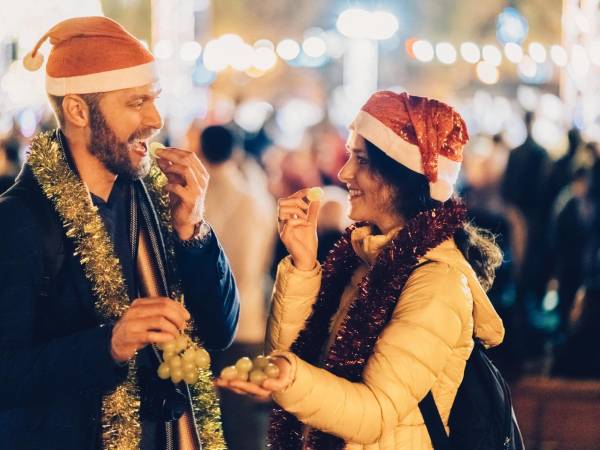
121,124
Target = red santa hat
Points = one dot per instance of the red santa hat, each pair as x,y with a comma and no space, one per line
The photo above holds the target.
92,54
425,135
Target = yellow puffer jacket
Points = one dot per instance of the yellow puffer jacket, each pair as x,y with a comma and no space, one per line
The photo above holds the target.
424,347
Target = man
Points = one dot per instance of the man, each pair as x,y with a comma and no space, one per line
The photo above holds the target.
92,257
245,220
522,189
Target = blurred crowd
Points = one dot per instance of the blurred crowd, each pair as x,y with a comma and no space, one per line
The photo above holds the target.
545,213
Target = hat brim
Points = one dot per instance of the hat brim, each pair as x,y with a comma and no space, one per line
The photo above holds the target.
111,80
407,154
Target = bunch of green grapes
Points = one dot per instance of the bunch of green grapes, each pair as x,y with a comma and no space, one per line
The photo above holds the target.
256,371
182,360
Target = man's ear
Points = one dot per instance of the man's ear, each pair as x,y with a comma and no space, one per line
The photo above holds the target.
76,111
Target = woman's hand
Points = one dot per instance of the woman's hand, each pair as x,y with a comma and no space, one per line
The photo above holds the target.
267,388
297,218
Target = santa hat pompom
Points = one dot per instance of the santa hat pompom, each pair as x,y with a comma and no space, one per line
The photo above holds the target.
33,62
441,190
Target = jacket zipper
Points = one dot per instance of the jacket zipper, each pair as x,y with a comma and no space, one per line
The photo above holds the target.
306,429
170,442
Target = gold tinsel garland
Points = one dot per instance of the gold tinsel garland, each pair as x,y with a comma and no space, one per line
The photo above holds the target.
71,199
204,399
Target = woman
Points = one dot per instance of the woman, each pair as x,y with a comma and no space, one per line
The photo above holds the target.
392,313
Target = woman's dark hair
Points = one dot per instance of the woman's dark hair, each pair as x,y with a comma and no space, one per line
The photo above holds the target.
411,196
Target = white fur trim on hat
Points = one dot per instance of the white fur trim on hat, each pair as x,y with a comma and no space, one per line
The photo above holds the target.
407,154
111,80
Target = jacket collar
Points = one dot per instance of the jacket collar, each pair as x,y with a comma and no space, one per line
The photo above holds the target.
488,326
367,245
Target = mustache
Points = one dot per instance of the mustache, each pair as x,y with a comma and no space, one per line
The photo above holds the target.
142,134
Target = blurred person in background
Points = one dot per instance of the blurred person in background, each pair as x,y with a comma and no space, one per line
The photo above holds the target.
484,166
271,160
327,147
526,175
562,170
570,240
393,312
575,231
592,151
333,220
483,172
245,225
250,162
298,171
579,355
523,190
9,162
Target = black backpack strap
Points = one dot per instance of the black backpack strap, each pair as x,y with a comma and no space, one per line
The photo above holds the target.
434,424
430,413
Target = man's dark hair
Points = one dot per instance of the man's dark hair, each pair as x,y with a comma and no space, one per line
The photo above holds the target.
216,143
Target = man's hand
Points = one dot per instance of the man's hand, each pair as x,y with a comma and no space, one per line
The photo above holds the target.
188,181
153,320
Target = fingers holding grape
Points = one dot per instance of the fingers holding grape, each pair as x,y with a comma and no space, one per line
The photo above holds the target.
297,218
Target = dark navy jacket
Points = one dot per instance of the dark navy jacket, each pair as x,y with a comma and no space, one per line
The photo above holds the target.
55,361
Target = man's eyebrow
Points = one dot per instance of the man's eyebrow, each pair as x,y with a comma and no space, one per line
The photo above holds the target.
143,96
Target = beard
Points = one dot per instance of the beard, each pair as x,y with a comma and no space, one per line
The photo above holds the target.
114,153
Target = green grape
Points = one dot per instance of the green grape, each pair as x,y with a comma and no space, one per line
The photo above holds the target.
242,375
181,342
244,364
190,377
176,375
168,355
257,377
229,373
169,346
272,371
164,371
175,362
189,366
189,354
202,358
261,361
314,194
153,147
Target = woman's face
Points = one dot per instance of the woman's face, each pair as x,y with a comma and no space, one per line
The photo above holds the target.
369,197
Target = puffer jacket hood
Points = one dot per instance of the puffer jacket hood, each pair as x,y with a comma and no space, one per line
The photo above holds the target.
488,325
